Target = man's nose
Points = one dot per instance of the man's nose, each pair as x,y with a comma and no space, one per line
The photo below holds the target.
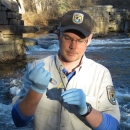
73,44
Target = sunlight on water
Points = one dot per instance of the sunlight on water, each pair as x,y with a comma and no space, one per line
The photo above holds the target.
13,85
53,44
5,115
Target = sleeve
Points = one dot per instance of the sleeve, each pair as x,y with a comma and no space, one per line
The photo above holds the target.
19,119
107,97
108,123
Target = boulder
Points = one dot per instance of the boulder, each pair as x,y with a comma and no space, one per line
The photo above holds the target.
12,6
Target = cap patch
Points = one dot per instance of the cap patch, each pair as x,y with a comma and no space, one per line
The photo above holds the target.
78,18
111,95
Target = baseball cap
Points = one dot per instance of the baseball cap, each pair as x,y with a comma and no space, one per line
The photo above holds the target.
77,20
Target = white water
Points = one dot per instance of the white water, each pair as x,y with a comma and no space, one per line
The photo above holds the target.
116,43
122,94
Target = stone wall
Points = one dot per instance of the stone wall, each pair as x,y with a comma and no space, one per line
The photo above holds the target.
101,19
108,19
11,29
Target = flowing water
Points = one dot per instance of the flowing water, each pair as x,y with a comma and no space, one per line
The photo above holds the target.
114,53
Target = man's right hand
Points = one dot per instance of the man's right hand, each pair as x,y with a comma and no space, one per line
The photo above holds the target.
40,78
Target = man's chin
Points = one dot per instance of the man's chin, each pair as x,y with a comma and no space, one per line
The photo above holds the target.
71,59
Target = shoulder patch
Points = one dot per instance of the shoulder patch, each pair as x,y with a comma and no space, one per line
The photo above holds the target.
111,95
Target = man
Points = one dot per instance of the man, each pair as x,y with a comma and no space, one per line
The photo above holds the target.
68,91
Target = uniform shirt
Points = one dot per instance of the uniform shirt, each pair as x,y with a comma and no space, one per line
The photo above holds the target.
93,78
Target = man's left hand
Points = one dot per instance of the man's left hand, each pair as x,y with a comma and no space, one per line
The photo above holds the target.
76,97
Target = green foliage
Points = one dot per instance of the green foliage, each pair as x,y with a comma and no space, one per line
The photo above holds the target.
63,6
54,9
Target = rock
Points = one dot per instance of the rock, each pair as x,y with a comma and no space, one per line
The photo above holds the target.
29,42
27,29
7,4
15,7
128,34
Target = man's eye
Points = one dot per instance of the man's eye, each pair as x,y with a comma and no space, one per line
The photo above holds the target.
67,38
80,40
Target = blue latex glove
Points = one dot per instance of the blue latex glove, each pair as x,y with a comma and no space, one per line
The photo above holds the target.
76,97
40,78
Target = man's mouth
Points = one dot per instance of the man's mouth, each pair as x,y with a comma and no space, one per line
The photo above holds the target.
71,53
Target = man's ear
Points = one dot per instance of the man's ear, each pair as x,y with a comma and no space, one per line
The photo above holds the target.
89,39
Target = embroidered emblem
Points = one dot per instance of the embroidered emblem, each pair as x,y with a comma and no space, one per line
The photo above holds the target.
111,95
78,18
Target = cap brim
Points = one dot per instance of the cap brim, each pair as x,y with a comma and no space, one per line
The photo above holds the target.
82,30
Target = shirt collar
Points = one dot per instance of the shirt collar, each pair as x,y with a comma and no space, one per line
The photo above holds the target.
60,66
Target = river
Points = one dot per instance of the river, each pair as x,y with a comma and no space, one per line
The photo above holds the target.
112,52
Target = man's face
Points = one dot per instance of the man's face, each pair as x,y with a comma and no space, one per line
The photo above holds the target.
72,47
